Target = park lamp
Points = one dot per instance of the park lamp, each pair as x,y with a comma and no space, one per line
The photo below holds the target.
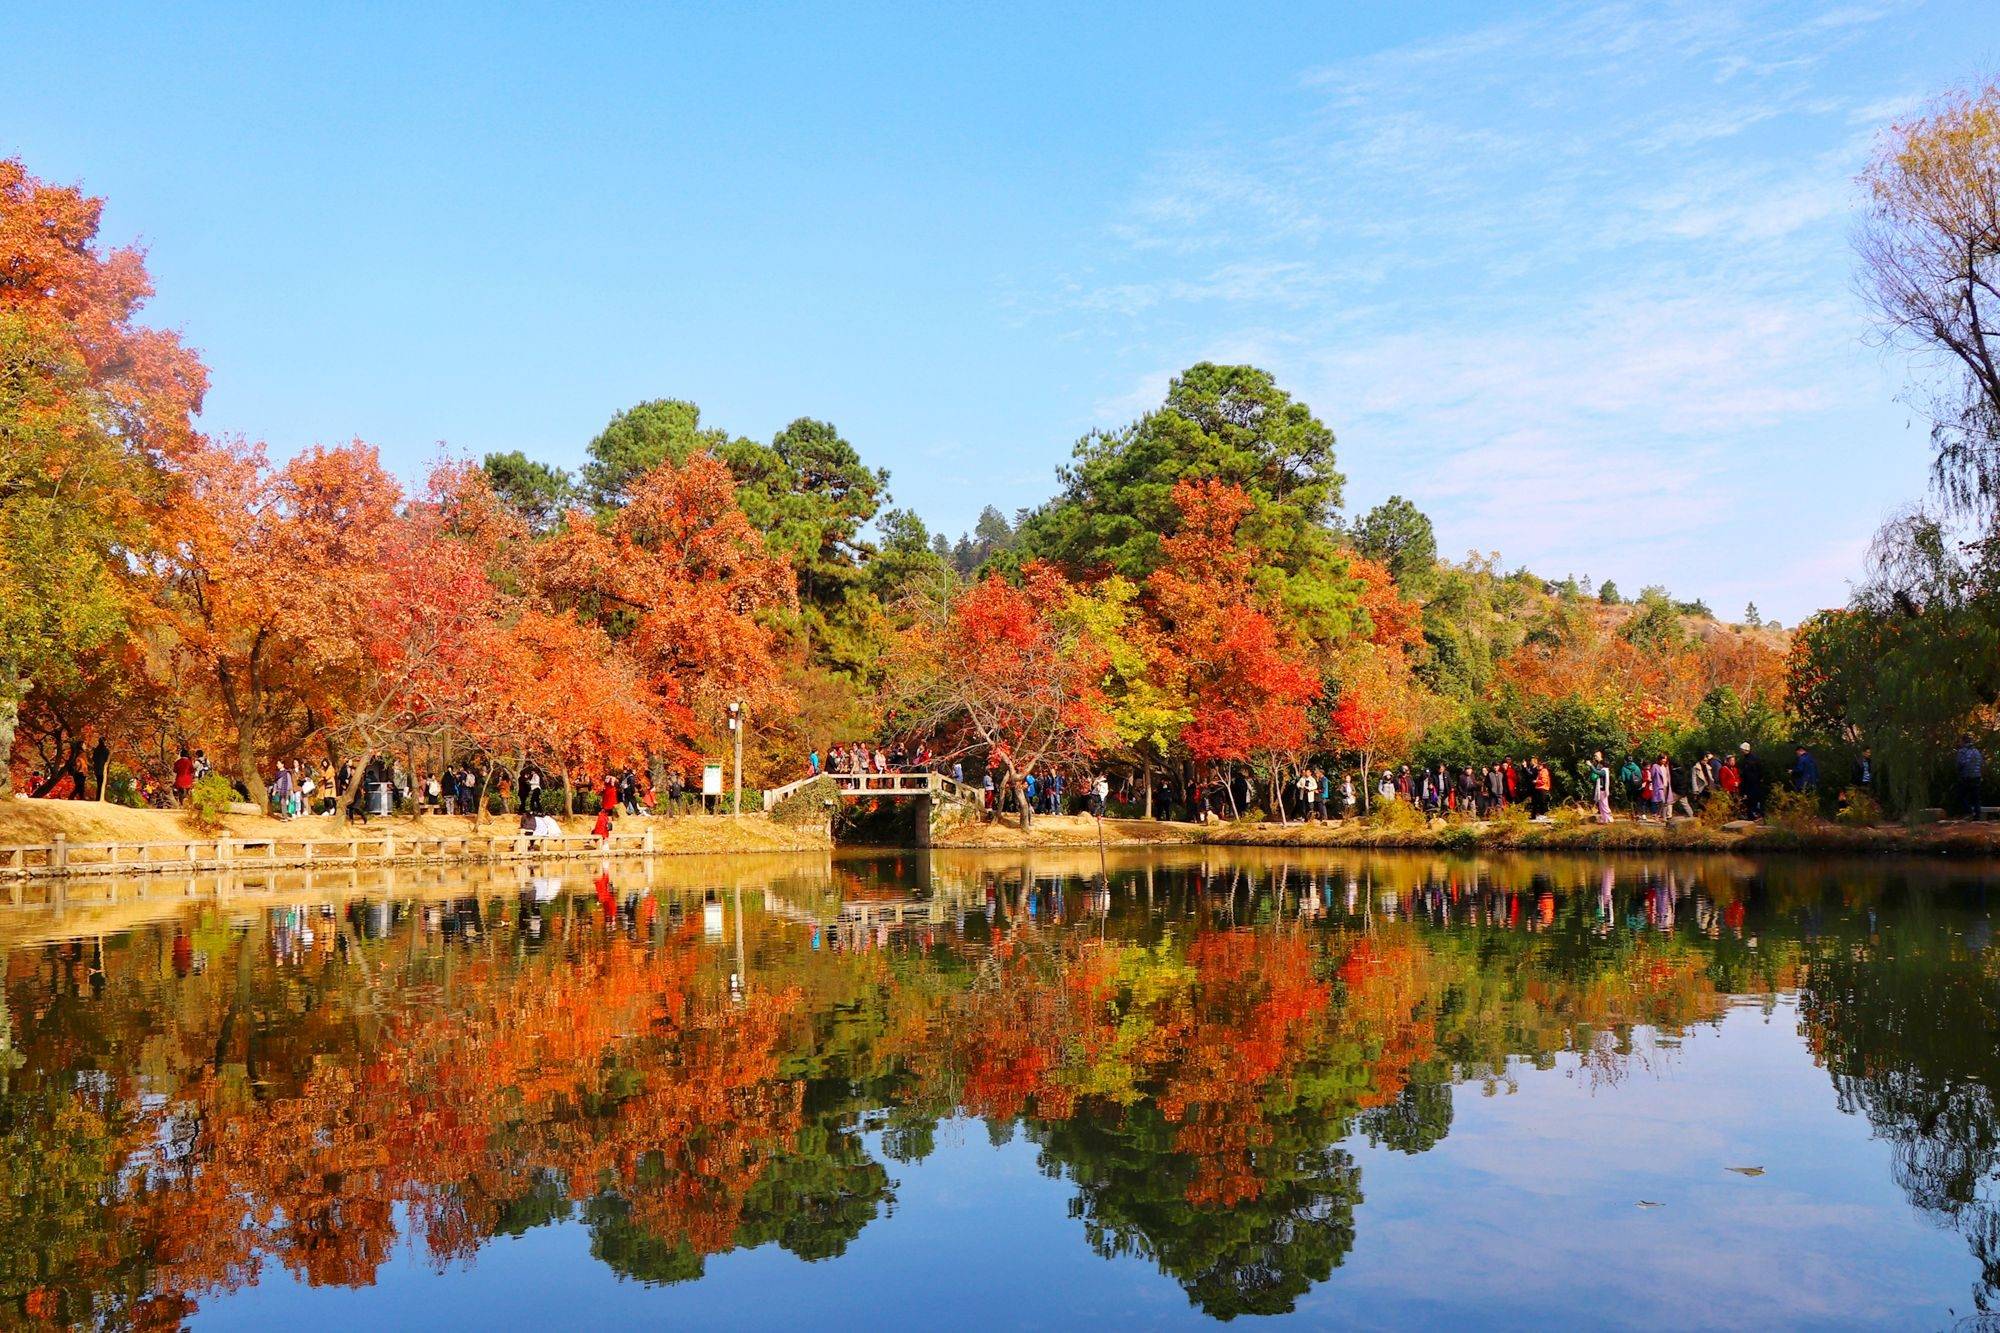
735,716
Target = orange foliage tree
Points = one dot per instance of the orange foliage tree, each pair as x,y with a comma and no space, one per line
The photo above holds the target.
1005,669
1246,675
272,581
679,581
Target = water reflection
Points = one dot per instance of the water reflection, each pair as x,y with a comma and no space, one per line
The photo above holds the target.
691,1060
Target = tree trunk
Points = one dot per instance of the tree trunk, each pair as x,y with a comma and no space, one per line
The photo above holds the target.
1278,797
1012,783
1367,774
248,734
1146,775
345,800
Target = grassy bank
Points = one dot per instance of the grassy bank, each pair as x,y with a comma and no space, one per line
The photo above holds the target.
1066,831
34,823
1949,839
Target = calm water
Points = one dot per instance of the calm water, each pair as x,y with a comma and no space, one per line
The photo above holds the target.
1168,1090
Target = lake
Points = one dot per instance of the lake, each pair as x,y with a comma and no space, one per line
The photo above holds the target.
1148,1089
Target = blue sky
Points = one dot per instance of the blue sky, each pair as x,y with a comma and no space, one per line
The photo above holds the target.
1575,278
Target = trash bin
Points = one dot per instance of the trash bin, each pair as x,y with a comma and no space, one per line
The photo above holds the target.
381,798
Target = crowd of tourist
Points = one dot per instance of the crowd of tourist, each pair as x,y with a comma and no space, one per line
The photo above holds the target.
1654,787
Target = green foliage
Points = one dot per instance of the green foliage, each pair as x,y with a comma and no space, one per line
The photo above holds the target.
1794,810
1607,593
992,537
209,801
810,806
641,438
1656,623
1397,535
121,787
1859,810
1911,664
1397,816
1230,423
535,491
67,479
811,496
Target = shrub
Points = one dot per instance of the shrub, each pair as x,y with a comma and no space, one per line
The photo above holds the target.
1398,816
1791,810
1860,810
809,805
121,787
1720,808
209,802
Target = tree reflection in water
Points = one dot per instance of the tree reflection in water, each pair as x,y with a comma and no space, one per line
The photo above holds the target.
1194,1047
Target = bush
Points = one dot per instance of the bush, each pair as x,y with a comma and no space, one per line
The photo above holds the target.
209,801
1720,808
1791,809
121,787
1398,816
809,805
1860,810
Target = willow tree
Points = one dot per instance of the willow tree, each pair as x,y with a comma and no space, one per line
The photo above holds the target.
1930,266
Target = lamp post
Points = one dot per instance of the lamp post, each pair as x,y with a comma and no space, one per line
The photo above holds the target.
736,727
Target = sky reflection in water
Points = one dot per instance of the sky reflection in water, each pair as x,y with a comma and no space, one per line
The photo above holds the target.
1172,1089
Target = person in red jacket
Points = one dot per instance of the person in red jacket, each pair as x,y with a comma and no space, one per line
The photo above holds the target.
183,778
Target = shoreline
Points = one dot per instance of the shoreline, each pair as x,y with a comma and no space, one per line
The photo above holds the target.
1625,835
68,839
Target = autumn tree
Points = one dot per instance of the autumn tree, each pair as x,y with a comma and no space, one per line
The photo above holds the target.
270,580
1006,668
1930,265
678,579
1246,674
91,402
1378,710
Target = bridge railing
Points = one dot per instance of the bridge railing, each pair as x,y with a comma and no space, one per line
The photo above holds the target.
905,782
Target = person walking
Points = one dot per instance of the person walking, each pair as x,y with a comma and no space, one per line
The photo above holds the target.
1805,772
1600,787
1969,765
183,778
1754,787
100,764
1540,783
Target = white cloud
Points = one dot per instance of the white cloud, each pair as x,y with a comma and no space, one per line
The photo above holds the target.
1539,275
